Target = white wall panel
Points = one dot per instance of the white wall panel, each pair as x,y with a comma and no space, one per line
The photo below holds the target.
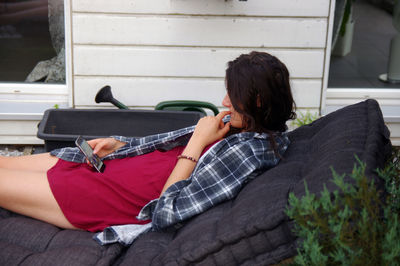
302,8
16,127
394,128
139,92
307,93
19,132
342,97
182,62
199,31
150,91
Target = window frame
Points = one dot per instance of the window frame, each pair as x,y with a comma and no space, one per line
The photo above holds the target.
340,97
25,93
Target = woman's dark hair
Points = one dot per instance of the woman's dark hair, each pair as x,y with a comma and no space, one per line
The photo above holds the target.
259,89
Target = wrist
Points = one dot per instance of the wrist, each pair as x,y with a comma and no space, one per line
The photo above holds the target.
183,156
196,145
193,149
198,142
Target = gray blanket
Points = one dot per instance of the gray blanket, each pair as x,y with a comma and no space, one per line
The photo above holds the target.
251,229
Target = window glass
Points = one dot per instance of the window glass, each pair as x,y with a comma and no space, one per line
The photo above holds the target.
32,41
362,53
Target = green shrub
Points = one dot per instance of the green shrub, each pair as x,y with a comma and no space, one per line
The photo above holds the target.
354,225
304,118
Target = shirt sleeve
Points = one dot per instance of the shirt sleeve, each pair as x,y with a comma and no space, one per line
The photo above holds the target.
134,146
135,141
216,179
163,141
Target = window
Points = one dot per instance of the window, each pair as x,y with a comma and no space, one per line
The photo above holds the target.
32,56
361,45
362,54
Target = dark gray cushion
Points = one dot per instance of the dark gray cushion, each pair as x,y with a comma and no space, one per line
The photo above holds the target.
25,241
251,229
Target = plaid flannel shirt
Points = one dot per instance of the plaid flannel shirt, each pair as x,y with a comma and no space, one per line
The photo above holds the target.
218,176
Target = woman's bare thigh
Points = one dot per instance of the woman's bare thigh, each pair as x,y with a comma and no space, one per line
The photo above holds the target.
36,162
29,193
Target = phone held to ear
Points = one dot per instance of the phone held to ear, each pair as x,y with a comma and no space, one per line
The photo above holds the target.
88,152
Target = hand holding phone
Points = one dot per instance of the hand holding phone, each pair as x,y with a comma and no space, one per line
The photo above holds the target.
105,146
88,152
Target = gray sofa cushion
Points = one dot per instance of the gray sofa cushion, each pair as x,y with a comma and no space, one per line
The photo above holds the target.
25,241
251,229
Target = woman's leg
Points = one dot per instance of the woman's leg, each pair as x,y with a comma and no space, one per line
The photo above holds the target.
29,193
37,162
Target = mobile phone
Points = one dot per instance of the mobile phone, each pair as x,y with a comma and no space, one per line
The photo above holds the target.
88,152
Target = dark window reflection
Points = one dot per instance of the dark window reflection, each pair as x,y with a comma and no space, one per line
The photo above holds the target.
32,41
362,49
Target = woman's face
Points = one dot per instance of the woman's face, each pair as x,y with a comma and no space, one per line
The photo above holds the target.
236,118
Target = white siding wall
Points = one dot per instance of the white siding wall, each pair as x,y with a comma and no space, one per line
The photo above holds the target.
151,51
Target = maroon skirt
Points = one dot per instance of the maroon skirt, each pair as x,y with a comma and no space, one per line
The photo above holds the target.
93,201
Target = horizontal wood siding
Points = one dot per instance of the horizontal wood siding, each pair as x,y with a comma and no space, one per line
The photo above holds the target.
295,8
138,91
93,60
19,132
151,51
394,128
199,31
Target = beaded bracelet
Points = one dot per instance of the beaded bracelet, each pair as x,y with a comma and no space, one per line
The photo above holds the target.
187,157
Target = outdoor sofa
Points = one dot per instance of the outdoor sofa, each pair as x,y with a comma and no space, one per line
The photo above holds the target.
251,229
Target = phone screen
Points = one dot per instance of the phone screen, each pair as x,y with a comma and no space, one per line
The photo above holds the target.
88,151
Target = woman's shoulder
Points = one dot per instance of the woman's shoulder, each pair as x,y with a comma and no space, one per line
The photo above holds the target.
259,143
249,137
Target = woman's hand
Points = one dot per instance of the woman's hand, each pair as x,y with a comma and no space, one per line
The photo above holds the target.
105,146
210,129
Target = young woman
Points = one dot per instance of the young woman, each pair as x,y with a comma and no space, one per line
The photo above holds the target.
164,178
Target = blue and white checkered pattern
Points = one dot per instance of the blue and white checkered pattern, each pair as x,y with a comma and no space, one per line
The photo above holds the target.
219,175
134,146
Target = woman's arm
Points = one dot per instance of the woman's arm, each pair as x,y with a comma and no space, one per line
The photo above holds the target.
208,130
219,177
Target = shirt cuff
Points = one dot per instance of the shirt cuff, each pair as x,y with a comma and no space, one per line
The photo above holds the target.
124,234
147,211
127,140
